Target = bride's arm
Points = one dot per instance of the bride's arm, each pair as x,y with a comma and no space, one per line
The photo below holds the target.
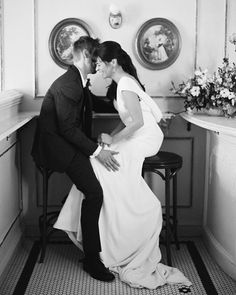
133,106
107,138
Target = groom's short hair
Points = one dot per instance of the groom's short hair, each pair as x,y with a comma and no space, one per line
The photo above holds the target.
86,42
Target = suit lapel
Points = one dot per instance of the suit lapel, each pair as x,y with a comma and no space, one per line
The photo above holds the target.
87,111
86,107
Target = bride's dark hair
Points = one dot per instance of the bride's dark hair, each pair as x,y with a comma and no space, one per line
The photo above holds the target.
109,50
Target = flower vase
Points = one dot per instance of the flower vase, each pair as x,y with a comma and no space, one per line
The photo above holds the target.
194,111
214,112
190,111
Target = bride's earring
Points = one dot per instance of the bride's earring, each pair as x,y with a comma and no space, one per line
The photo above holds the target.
114,65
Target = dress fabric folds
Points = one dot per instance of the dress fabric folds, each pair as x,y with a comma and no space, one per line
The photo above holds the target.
131,216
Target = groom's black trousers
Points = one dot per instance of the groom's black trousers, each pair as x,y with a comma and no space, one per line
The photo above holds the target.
82,175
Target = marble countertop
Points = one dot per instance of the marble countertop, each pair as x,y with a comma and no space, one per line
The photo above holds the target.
218,124
10,125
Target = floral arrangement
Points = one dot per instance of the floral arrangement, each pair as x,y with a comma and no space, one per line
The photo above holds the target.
206,92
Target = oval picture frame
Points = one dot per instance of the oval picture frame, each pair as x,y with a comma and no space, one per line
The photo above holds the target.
62,37
157,44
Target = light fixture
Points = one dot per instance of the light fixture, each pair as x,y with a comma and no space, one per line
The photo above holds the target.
232,39
115,17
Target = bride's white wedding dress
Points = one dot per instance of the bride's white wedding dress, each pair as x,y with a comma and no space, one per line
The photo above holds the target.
131,216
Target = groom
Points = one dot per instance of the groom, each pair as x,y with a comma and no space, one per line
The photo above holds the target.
62,144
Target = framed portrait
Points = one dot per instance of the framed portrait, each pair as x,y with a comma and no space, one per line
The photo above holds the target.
62,37
157,44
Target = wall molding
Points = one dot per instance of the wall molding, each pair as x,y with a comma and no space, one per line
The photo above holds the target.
226,28
36,50
191,140
1,45
196,33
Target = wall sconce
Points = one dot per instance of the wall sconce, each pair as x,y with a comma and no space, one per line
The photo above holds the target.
232,39
115,17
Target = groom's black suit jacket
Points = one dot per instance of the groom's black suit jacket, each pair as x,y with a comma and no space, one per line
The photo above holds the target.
64,123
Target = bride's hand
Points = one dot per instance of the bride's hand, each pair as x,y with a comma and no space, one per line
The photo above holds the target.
105,138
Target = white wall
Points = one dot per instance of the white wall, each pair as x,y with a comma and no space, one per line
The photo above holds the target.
28,62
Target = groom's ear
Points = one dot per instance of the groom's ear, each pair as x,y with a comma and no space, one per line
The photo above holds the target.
86,54
114,62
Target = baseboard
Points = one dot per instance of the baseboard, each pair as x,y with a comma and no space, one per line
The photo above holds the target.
222,257
10,245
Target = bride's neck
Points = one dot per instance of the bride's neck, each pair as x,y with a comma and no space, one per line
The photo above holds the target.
118,74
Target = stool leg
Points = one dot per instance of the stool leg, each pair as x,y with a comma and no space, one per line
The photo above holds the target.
44,226
167,204
175,220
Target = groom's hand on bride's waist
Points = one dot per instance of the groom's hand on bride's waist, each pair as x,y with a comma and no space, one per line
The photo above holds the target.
106,157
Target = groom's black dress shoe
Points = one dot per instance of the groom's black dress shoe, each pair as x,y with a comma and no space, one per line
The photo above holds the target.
97,270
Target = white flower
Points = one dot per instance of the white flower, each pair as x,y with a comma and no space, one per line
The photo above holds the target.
232,38
202,81
224,92
199,81
231,95
188,85
211,79
195,91
186,88
219,80
198,73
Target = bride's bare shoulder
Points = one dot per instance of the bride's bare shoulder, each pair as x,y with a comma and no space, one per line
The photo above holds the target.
127,80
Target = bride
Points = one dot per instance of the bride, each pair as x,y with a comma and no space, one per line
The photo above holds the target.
131,216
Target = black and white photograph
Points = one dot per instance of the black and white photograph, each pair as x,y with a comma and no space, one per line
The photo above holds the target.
62,37
158,43
118,147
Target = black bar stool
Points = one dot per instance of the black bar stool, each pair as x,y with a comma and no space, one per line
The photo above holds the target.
46,220
171,163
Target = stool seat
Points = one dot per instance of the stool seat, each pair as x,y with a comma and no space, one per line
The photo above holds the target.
170,163
163,160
